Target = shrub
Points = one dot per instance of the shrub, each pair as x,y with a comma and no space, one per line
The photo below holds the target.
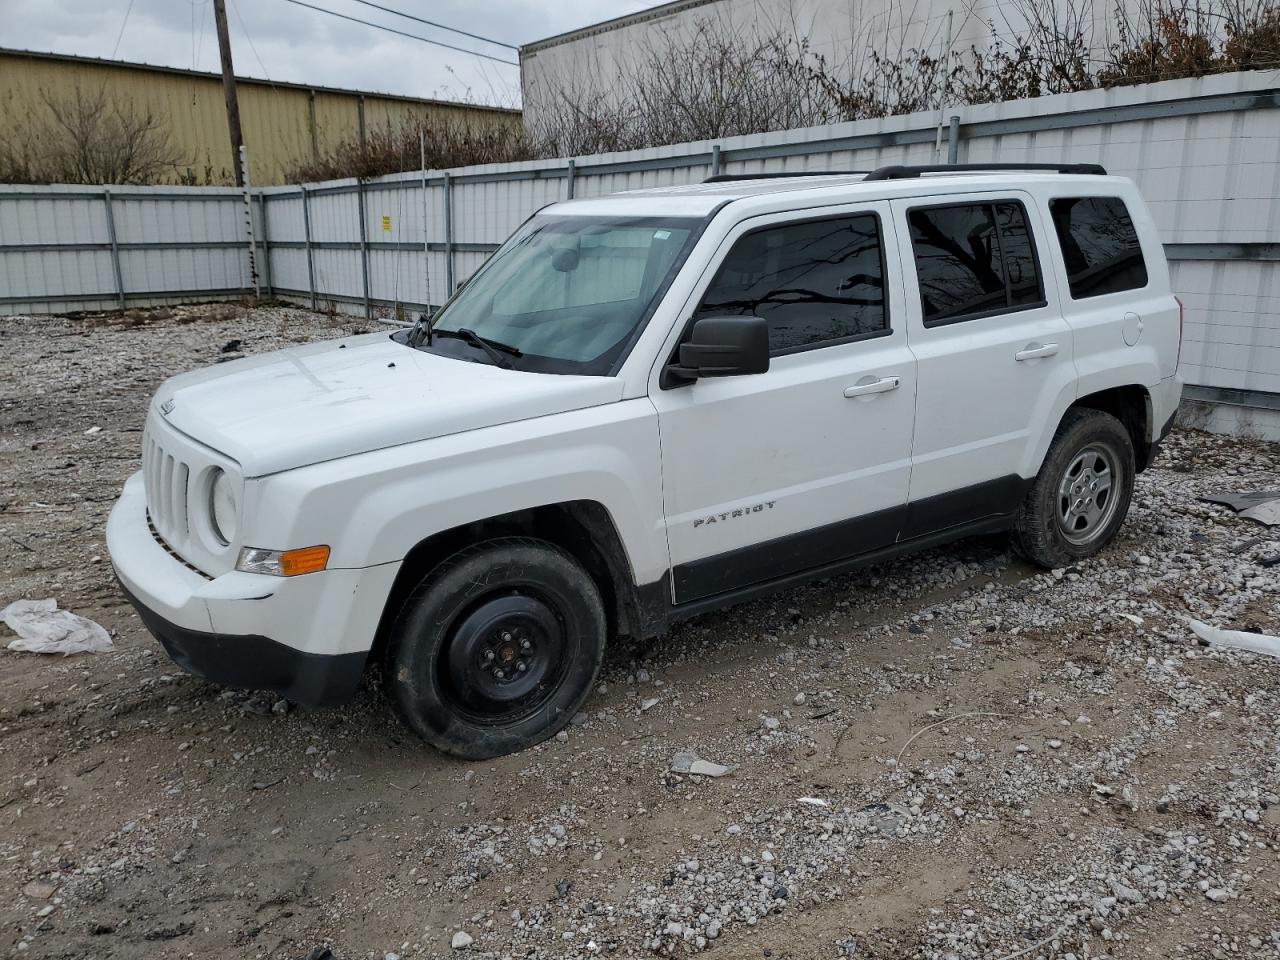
87,137
395,148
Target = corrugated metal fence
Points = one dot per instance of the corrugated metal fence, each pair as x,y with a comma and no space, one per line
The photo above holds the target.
1205,152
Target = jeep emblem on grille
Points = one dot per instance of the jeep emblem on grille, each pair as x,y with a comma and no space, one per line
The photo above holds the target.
167,407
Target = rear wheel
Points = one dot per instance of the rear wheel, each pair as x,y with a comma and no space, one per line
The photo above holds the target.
1081,495
497,648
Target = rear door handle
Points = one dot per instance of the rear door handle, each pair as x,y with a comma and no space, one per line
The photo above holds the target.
1036,351
883,385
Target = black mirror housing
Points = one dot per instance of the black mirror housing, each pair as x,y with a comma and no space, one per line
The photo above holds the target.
724,347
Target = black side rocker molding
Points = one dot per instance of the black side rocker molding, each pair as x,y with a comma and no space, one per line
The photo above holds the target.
727,579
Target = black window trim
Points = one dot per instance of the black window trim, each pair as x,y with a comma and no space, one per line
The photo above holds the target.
821,344
983,314
1142,251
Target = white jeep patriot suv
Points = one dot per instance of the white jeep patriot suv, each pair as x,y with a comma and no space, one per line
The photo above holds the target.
646,406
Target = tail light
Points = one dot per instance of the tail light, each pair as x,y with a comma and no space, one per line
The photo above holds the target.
1181,318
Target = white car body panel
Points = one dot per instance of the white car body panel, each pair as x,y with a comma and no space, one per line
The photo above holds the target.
751,459
986,410
607,454
304,405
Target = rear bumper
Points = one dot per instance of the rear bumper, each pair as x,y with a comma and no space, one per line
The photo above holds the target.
254,662
305,637
1165,398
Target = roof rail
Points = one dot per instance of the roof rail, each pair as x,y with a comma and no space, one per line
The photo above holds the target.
730,177
900,172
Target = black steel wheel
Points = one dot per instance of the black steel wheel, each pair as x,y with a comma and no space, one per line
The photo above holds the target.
497,648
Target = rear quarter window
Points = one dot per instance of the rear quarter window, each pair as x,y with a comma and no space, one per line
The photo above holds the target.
1099,246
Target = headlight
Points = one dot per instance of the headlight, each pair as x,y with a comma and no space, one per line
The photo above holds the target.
224,511
283,563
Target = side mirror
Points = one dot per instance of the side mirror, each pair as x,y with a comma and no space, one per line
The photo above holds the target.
722,347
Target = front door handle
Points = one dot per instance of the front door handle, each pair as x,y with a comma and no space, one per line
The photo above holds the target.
1036,351
883,385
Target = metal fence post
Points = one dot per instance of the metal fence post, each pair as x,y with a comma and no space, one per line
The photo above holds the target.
364,251
311,260
953,139
448,232
266,242
570,172
715,160
115,247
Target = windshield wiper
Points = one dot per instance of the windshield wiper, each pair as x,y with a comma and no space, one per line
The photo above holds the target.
494,348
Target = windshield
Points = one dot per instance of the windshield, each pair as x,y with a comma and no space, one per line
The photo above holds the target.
565,294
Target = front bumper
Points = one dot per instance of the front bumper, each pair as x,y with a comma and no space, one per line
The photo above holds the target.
305,637
254,662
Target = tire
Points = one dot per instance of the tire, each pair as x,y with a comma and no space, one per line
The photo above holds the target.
1063,518
497,648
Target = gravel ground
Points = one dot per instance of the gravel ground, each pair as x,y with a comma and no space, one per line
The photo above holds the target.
950,756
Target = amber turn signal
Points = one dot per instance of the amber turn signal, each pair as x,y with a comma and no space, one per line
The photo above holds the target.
305,560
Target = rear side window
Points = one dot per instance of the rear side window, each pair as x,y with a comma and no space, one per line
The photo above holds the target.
1099,245
974,260
816,283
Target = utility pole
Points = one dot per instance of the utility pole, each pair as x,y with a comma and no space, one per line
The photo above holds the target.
229,89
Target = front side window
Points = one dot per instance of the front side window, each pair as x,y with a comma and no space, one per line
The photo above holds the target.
816,283
974,260
565,294
1099,245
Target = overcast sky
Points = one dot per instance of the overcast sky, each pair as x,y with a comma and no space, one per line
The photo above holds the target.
277,40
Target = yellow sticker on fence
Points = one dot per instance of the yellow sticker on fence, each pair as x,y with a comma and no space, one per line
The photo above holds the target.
386,224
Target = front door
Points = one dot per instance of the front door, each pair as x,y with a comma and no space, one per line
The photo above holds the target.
787,471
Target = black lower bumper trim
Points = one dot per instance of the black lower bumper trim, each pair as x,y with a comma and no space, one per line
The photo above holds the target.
256,663
1153,450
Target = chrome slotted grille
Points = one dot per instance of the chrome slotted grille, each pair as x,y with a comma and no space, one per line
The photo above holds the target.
166,479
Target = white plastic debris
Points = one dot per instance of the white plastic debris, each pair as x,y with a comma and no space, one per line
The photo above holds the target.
813,802
687,761
43,628
1261,505
1236,639
1265,513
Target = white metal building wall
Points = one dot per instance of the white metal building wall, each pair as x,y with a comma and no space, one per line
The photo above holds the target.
586,64
1205,152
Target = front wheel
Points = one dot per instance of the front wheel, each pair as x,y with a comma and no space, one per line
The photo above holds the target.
497,648
1081,495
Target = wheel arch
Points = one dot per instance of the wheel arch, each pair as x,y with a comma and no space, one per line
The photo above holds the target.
1131,405
582,528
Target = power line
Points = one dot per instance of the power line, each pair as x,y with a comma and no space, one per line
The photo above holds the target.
245,30
432,23
411,36
124,23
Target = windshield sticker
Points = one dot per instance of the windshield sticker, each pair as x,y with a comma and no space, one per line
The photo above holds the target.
662,234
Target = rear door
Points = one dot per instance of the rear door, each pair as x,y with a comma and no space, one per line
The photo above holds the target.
994,353
773,474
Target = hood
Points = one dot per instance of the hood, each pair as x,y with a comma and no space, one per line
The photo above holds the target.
305,405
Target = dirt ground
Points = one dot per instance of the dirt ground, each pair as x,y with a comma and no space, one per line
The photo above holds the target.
950,756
